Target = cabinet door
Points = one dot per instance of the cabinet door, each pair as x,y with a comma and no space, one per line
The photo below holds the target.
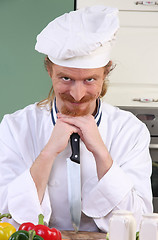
136,51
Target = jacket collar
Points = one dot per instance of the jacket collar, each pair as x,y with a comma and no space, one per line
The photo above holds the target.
97,117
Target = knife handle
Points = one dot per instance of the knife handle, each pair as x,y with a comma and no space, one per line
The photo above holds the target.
75,146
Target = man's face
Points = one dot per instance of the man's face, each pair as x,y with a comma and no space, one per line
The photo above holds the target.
76,90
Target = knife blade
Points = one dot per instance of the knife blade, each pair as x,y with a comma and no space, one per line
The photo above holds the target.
74,181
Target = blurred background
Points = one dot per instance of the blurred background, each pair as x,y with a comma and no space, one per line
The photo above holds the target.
23,78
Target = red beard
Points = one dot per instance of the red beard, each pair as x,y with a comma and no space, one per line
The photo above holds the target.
76,111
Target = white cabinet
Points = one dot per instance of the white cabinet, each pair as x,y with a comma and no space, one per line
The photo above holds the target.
122,5
135,53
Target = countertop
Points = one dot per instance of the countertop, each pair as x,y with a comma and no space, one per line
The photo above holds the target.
83,235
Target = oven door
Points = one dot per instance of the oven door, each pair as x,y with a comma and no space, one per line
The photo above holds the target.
150,117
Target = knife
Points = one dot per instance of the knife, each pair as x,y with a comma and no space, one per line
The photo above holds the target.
74,181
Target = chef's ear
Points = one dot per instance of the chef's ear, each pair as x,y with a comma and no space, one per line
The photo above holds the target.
48,66
108,68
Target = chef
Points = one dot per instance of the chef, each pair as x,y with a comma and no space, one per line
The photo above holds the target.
114,147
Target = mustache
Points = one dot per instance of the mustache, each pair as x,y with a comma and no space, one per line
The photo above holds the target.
69,98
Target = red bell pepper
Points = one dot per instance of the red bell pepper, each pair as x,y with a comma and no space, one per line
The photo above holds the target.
41,230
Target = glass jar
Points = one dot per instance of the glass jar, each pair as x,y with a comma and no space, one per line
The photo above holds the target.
149,227
122,226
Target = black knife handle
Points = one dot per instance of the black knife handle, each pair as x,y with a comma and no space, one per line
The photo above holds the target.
75,146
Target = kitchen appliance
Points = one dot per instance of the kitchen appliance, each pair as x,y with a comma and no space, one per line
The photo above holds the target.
149,116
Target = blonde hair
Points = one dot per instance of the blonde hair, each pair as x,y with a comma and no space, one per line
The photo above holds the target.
48,101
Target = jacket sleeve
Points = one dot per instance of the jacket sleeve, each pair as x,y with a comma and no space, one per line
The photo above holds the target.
18,194
127,184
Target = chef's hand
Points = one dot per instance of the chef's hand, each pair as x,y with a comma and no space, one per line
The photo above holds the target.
59,138
88,131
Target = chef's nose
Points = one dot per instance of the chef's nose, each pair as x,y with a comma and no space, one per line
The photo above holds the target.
78,91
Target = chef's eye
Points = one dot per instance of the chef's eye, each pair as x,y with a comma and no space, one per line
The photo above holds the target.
66,79
90,80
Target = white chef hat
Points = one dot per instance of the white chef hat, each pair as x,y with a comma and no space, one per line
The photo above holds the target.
80,39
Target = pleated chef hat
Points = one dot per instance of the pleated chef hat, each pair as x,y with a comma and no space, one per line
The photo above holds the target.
80,39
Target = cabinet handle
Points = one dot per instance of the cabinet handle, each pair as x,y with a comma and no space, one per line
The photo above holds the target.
147,3
153,146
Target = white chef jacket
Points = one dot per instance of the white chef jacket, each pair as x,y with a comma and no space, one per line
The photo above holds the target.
126,185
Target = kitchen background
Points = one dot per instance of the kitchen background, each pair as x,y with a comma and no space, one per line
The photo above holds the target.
23,79
133,84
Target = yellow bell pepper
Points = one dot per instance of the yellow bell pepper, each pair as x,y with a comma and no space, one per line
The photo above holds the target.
6,229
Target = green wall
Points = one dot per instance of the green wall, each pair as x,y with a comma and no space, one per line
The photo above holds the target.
23,79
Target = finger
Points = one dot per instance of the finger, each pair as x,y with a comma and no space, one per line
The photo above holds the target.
80,122
60,115
66,127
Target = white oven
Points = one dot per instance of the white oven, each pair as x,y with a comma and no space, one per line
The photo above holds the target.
150,117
